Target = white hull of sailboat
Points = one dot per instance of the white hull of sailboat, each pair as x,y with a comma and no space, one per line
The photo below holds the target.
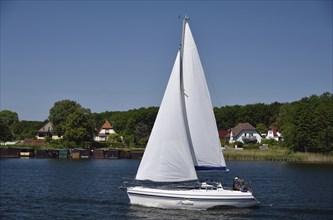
189,198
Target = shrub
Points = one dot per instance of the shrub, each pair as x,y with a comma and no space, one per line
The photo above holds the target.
270,142
251,146
239,144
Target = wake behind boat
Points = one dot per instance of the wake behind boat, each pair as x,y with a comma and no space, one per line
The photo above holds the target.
185,139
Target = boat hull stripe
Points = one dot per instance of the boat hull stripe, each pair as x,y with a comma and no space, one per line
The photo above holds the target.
191,198
198,168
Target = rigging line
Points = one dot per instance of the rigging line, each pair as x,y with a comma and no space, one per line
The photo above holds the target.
212,86
208,77
211,82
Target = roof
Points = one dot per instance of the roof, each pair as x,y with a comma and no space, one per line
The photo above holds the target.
106,125
46,128
242,126
224,133
274,129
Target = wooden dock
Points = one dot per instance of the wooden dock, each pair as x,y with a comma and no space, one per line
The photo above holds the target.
76,153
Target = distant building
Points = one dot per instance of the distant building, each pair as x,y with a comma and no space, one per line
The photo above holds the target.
46,131
10,142
104,132
273,133
245,133
224,134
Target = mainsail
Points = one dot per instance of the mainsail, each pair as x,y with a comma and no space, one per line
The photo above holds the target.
167,157
184,136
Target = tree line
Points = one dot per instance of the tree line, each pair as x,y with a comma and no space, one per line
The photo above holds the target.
306,125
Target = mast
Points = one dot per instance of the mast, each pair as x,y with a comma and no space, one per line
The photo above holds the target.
186,18
184,96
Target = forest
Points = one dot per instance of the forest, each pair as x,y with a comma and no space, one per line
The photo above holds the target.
306,124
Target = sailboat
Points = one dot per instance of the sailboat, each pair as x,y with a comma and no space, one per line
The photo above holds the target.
184,139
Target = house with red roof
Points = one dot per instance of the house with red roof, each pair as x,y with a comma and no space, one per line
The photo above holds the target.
245,133
224,135
104,132
273,133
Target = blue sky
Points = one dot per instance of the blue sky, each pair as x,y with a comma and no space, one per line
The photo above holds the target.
117,55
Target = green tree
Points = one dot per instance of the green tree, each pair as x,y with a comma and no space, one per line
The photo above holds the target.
59,113
261,128
141,133
27,129
5,132
9,117
114,138
322,122
8,121
18,130
307,124
229,116
78,127
226,117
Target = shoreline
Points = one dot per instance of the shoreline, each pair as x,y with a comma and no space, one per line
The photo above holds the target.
278,154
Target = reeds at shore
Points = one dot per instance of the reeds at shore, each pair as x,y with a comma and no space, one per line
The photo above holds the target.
277,155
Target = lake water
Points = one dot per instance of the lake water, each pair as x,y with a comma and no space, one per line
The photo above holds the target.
89,189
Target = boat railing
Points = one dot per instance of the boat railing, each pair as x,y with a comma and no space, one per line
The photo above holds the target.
131,182
195,185
128,182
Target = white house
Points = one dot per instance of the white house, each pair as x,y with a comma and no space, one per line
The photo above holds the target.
104,132
46,131
273,133
245,133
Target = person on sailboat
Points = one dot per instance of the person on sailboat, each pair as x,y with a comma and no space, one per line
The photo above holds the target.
235,185
242,185
239,184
